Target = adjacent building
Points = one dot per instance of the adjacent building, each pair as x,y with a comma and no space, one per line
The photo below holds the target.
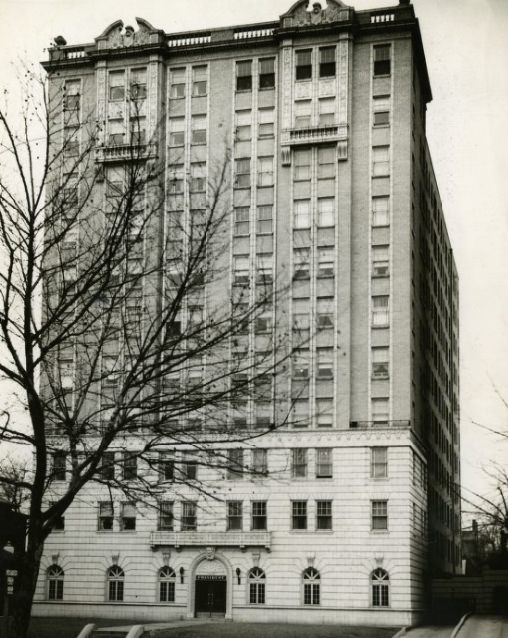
355,503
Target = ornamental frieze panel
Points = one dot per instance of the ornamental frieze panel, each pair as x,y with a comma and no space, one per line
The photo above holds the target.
319,13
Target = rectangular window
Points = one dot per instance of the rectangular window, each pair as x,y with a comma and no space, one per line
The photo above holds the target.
189,516
324,363
198,177
380,311
243,125
198,128
266,73
265,123
382,60
130,467
301,213
107,467
299,462
324,408
324,463
326,212
166,517
166,466
380,161
327,62
302,164
323,515
301,266
244,75
259,461
380,365
116,85
105,522
176,131
137,81
379,462
380,411
300,367
58,466
258,515
177,83
242,173
264,220
241,270
380,261
380,211
116,132
176,181
298,514
381,110
327,159
325,319
72,96
327,111
302,113
235,464
265,171
380,515
234,516
128,517
137,128
199,79
304,64
326,262
242,216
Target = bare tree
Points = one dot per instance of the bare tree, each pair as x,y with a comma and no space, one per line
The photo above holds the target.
117,314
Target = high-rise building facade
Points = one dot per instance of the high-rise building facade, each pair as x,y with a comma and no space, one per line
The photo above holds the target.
356,501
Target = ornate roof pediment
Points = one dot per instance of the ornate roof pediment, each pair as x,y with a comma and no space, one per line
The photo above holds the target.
300,15
118,36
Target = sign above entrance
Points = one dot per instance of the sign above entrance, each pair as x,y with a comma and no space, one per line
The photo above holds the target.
211,577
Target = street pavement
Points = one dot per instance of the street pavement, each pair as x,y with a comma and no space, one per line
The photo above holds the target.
484,627
430,631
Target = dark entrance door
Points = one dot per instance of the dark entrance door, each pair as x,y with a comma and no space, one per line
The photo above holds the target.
211,595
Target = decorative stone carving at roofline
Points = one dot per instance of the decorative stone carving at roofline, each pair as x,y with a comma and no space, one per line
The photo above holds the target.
118,36
300,15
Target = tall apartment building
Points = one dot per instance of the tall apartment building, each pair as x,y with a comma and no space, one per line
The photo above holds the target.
334,194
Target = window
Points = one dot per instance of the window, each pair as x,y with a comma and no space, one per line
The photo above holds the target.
242,216
242,173
128,517
138,84
324,463
380,588
326,162
116,85
243,125
241,270
326,259
189,516
115,578
116,132
58,466
264,220
59,524
198,128
311,586
380,161
301,263
167,581
259,461
380,311
166,466
324,413
234,515
380,515
327,111
379,462
199,78
380,261
380,211
327,62
71,141
71,100
382,62
189,464
166,517
176,181
265,123
107,467
323,515
198,177
302,163
244,75
325,319
235,463
176,131
258,515
267,73
55,580
177,83
324,363
256,581
299,514
302,113
301,213
299,462
380,411
304,64
130,467
300,365
105,522
265,171
326,210
381,110
380,367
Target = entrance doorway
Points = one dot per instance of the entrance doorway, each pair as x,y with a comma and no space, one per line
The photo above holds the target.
211,595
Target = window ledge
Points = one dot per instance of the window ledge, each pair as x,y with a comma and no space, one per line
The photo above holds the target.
382,75
380,126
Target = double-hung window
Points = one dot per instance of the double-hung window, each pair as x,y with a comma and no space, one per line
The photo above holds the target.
58,469
176,131
380,364
105,517
242,173
264,219
235,515
301,213
380,211
189,516
379,515
324,463
258,515
324,363
116,86
259,461
298,514
304,64
380,261
241,270
266,73
323,514
382,60
327,111
244,75
379,462
198,126
303,113
380,311
380,411
326,210
265,123
128,517
326,261
300,365
243,125
265,171
235,467
299,462
177,89
137,82
380,161
381,110
327,160
199,78
327,62
130,466
166,518
242,217
301,257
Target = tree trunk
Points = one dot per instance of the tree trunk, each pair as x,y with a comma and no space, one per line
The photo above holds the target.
22,599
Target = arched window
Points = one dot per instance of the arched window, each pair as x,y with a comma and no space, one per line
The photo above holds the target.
380,588
167,580
257,580
55,577
311,586
116,578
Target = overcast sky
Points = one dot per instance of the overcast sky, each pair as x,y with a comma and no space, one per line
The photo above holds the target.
466,45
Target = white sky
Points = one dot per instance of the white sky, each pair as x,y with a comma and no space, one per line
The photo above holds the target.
466,44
